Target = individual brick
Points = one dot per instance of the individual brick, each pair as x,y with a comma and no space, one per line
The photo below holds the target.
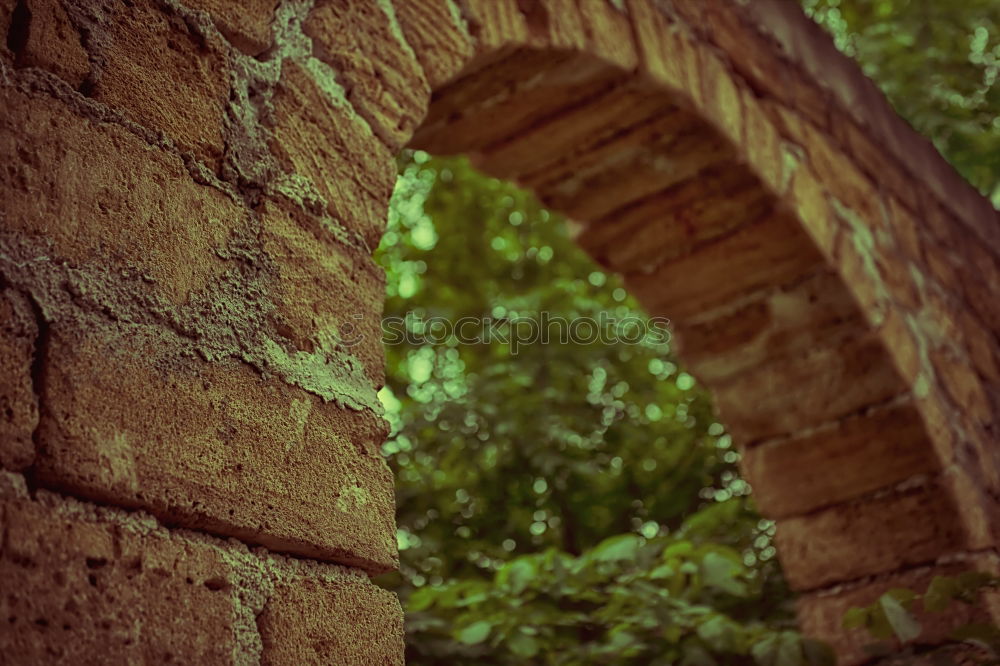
610,33
44,37
319,136
770,252
162,75
438,37
379,71
875,535
229,452
816,312
343,620
247,25
327,293
96,193
723,98
808,389
18,402
857,455
83,591
495,24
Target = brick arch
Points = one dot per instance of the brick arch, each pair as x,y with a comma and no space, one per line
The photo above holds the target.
821,264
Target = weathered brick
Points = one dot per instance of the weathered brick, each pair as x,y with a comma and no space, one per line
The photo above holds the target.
787,322
495,24
610,33
762,143
247,25
872,536
770,252
95,193
328,294
162,75
82,591
857,455
795,392
657,44
228,452
722,97
380,72
18,402
321,138
346,621
44,37
438,37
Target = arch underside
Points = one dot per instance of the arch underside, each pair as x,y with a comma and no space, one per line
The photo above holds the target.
833,438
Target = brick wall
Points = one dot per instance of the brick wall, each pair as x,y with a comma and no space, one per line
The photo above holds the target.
191,196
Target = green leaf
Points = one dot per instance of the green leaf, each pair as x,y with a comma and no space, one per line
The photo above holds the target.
778,649
475,633
904,625
620,547
981,635
940,593
720,572
855,618
523,645
516,574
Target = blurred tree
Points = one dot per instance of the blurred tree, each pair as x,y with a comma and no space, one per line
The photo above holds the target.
938,62
579,503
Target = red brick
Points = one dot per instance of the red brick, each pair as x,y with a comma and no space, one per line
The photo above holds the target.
18,403
322,139
345,620
90,592
96,194
247,24
868,537
229,452
857,455
383,80
160,74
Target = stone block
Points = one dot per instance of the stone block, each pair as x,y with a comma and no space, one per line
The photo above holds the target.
343,620
215,446
768,253
247,24
794,392
875,535
96,194
82,591
43,36
382,78
328,294
855,456
438,37
158,72
319,136
18,402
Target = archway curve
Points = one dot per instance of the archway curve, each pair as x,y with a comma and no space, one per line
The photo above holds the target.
775,236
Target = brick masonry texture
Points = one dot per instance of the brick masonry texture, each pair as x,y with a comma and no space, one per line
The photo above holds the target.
192,193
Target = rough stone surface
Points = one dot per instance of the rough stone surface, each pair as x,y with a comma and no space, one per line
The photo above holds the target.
376,66
347,621
158,71
88,592
43,36
247,25
230,452
18,403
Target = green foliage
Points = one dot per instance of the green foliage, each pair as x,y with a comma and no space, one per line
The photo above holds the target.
548,500
938,62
